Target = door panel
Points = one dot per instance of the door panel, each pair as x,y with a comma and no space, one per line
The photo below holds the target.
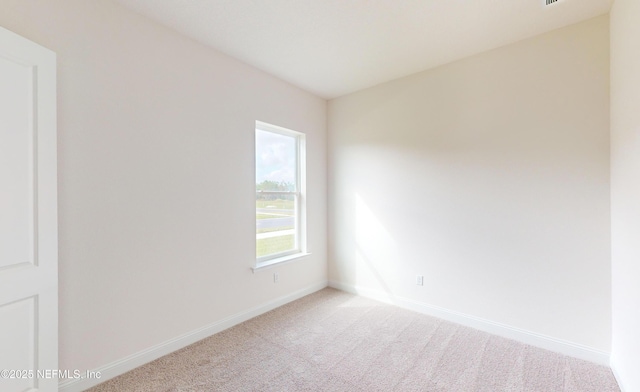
19,338
16,164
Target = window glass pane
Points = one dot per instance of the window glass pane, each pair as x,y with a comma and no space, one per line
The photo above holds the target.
275,162
276,209
275,223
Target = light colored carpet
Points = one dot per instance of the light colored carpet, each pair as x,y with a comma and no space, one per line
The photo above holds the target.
334,341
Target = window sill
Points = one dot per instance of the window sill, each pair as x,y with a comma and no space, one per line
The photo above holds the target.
279,261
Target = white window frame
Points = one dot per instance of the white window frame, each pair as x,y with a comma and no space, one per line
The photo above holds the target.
300,249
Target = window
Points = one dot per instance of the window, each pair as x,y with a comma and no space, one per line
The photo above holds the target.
280,191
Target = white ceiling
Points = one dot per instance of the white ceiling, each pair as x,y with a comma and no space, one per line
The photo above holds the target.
335,47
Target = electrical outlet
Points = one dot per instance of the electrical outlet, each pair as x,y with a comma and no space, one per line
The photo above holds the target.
275,277
420,280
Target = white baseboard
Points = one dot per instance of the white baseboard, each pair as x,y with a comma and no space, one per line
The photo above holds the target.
534,339
145,356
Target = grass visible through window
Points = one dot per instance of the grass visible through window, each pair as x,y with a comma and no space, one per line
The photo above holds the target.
275,222
273,245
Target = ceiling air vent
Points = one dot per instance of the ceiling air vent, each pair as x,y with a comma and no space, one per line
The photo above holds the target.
550,1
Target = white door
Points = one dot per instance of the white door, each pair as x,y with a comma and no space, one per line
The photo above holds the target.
28,216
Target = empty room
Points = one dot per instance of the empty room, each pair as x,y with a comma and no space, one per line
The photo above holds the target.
320,195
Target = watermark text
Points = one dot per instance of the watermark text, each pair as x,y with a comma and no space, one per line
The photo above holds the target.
63,374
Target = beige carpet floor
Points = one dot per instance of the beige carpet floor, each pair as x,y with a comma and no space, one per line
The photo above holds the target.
334,341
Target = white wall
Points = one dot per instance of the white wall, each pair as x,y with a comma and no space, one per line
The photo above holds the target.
625,191
490,177
156,178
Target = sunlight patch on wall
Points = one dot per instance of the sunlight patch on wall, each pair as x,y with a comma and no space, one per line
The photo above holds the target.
375,250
